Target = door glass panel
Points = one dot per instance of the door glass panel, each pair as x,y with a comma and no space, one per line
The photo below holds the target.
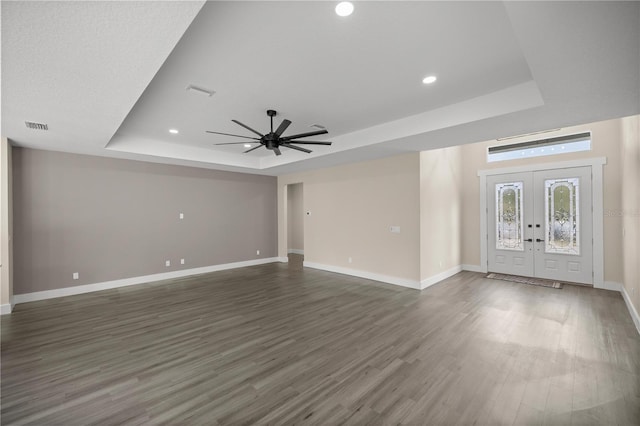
509,230
562,216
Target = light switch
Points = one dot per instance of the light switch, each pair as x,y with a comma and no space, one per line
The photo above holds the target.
181,215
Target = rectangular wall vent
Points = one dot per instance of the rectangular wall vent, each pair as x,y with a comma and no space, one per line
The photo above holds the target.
36,126
200,90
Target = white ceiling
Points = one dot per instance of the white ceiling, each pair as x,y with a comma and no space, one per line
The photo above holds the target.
109,78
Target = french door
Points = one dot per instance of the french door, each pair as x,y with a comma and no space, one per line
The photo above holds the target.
540,224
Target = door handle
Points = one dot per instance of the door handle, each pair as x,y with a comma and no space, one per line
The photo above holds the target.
529,240
538,240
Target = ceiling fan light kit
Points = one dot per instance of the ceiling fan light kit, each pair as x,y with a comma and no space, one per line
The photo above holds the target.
274,139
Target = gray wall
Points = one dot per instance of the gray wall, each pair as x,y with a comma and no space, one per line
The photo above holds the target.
110,219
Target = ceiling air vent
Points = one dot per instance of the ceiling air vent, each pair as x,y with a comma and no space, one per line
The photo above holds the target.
36,126
201,90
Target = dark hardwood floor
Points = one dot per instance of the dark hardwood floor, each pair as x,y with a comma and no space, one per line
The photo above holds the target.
279,344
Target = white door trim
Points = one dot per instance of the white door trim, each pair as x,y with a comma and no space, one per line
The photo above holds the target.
597,164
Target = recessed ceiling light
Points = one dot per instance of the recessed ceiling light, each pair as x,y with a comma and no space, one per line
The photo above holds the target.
430,79
344,8
247,145
174,131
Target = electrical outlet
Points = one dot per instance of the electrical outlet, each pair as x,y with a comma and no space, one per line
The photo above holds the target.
440,263
181,215
350,260
76,275
182,261
257,252
167,263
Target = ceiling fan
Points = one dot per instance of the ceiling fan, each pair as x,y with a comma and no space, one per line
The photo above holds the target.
275,140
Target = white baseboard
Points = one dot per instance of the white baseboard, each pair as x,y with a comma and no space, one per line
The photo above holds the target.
472,268
296,251
364,274
428,282
631,308
87,288
609,285
5,309
283,259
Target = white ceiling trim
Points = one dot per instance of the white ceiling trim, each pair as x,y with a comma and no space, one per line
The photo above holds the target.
156,148
512,99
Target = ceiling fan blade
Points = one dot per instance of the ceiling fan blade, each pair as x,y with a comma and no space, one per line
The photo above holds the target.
247,127
304,135
255,147
282,127
232,143
310,142
308,151
237,136
277,151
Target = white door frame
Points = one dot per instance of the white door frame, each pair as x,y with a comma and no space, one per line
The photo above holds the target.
597,165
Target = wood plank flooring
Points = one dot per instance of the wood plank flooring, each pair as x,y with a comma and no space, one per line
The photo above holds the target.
279,344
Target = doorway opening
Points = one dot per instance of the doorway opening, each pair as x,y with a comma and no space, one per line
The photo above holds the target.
295,223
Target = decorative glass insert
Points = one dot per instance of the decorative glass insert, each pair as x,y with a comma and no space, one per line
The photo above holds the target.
562,216
509,229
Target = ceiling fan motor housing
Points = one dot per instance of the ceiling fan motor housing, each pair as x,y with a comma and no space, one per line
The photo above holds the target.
271,141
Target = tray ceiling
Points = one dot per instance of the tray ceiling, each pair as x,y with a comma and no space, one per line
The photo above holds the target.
110,78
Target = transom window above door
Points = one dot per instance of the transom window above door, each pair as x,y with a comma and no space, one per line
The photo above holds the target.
540,147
